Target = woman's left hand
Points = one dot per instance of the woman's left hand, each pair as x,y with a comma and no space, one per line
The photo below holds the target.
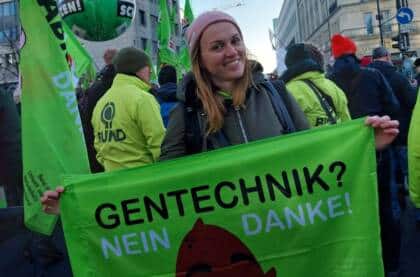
386,130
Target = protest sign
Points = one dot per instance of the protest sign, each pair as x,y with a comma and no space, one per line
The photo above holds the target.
298,205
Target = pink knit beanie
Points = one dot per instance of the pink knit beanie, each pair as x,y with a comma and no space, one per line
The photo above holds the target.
197,27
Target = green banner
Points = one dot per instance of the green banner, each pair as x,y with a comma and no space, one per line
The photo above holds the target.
81,60
52,139
298,205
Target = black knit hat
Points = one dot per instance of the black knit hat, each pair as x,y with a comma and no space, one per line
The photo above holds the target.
301,52
167,74
130,60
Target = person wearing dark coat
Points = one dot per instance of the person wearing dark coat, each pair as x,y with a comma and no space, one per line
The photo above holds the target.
166,93
417,67
10,150
102,83
366,89
368,92
407,96
404,92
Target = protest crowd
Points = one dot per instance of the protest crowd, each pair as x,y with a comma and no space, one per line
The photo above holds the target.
226,100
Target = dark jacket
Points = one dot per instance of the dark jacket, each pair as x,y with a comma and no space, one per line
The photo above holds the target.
10,150
405,94
102,83
166,96
418,80
256,121
367,91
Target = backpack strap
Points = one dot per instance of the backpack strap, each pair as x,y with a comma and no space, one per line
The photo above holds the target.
193,143
277,93
326,102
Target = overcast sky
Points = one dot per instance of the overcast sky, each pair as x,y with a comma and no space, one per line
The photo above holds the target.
254,17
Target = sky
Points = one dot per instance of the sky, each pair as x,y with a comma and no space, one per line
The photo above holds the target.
254,17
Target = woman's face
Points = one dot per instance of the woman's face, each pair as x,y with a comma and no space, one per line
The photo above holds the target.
223,53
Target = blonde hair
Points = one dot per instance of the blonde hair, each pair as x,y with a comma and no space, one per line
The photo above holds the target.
213,102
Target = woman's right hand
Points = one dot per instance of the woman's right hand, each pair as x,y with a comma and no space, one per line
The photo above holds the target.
50,201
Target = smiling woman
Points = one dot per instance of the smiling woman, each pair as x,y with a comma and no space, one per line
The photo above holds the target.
225,103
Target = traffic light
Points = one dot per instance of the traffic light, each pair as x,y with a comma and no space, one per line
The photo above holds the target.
397,39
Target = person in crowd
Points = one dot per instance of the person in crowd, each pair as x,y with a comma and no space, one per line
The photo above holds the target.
365,61
127,125
166,93
369,93
406,95
322,101
10,150
224,105
417,68
414,160
101,84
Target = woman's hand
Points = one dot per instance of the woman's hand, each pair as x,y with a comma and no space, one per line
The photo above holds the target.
51,201
386,130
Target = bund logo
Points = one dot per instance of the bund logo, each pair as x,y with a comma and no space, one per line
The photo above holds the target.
107,114
109,135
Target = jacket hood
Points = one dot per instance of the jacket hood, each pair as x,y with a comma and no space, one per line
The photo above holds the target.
347,65
385,67
167,92
300,68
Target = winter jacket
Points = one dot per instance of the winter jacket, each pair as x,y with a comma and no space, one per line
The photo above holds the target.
414,155
257,120
308,100
102,83
10,150
405,94
367,91
166,96
127,125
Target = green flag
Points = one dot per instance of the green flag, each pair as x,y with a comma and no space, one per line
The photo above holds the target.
52,138
148,50
184,56
299,205
188,13
81,59
167,53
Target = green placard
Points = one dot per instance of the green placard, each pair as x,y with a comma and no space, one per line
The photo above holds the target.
298,205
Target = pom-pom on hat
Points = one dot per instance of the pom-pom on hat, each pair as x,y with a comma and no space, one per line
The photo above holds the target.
199,25
342,45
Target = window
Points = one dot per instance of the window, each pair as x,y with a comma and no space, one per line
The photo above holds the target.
154,21
144,43
386,22
8,35
368,23
142,17
155,46
176,29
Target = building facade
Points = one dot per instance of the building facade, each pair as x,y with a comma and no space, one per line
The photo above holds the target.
318,20
9,53
143,31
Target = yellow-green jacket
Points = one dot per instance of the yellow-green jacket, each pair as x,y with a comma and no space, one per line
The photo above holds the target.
414,155
127,125
309,103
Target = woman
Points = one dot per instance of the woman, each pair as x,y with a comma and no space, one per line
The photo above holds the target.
220,103
230,107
